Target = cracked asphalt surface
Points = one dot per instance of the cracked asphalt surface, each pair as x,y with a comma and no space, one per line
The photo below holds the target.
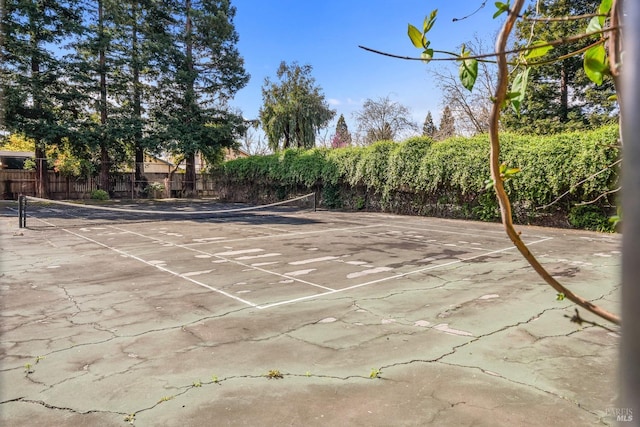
307,319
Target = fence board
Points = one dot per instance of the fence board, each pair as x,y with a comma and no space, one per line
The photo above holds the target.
14,182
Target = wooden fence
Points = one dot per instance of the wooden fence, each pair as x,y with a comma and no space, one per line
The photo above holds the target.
14,182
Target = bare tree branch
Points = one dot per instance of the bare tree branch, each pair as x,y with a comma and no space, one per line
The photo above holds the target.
576,185
599,197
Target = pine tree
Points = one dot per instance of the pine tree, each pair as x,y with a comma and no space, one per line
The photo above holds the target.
342,137
33,81
123,45
429,128
447,125
205,72
145,46
559,96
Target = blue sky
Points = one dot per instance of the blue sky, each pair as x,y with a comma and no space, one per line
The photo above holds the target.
326,35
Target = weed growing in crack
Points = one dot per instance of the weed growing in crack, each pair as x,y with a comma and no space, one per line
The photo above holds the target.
130,418
165,399
197,383
215,379
375,373
308,374
28,367
274,374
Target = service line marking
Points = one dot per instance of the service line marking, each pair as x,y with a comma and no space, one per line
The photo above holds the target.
231,260
287,234
396,276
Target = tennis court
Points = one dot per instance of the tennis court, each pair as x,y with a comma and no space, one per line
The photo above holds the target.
291,316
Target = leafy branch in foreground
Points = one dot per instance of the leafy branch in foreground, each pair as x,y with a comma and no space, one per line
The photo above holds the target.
597,66
503,198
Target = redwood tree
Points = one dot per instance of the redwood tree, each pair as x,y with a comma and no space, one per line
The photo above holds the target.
205,71
33,82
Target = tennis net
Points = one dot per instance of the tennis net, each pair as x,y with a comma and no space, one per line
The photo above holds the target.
35,212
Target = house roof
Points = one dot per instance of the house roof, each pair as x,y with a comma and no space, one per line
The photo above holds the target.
6,153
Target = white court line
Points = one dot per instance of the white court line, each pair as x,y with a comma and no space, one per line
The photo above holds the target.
396,276
166,270
231,260
308,297
489,232
285,234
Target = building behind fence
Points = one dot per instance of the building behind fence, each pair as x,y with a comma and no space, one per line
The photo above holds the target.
14,182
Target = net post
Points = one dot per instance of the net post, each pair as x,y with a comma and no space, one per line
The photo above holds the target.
315,195
22,211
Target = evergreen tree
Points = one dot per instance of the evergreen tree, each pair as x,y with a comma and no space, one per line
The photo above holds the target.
32,77
342,137
294,108
95,73
205,71
124,44
447,125
146,47
559,96
429,128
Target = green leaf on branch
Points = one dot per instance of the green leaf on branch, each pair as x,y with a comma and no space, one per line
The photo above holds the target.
468,70
519,88
595,25
488,184
502,8
537,52
605,7
419,38
416,37
507,173
596,64
427,55
597,22
428,22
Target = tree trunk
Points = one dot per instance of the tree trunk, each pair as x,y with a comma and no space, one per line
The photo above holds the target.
42,175
189,184
104,153
137,101
564,94
105,183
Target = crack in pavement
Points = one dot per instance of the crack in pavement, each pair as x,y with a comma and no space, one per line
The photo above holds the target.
122,337
528,385
63,408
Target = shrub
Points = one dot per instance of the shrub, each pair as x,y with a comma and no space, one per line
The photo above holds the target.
99,195
590,217
419,175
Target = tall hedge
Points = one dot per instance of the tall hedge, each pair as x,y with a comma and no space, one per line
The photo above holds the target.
450,172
